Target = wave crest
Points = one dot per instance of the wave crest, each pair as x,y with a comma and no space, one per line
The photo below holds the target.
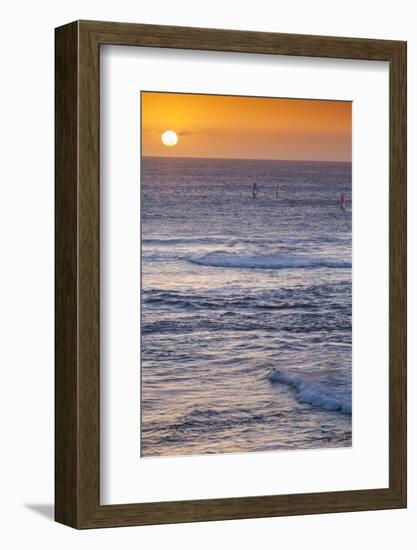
312,394
225,259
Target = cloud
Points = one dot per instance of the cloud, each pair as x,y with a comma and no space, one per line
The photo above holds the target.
190,132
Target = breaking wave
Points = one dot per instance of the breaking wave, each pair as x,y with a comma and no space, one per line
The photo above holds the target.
225,259
313,394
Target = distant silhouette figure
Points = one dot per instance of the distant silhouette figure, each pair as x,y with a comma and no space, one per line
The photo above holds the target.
278,189
342,202
255,190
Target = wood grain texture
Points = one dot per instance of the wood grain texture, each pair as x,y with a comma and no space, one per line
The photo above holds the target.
398,273
66,238
78,284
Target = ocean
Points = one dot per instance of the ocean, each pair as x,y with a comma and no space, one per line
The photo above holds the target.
246,306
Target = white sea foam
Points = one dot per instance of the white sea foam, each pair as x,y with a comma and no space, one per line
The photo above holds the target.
313,393
225,259
277,287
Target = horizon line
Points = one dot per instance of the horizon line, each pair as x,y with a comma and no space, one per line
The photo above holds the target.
247,158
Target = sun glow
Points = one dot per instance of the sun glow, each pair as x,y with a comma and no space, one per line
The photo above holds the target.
169,138
216,126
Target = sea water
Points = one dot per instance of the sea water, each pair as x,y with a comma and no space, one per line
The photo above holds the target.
246,306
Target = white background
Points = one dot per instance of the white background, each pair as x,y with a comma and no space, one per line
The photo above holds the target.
126,478
26,290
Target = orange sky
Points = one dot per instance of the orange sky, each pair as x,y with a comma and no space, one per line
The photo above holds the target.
246,127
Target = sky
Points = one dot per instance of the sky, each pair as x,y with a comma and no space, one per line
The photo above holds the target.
246,127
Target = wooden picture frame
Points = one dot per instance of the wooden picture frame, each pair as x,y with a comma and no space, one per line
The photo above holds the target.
77,405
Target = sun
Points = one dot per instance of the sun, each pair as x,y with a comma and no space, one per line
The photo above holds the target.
169,138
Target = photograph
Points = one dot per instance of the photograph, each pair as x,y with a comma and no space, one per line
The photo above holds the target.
246,274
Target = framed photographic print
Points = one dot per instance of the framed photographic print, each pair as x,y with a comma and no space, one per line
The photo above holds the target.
230,274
